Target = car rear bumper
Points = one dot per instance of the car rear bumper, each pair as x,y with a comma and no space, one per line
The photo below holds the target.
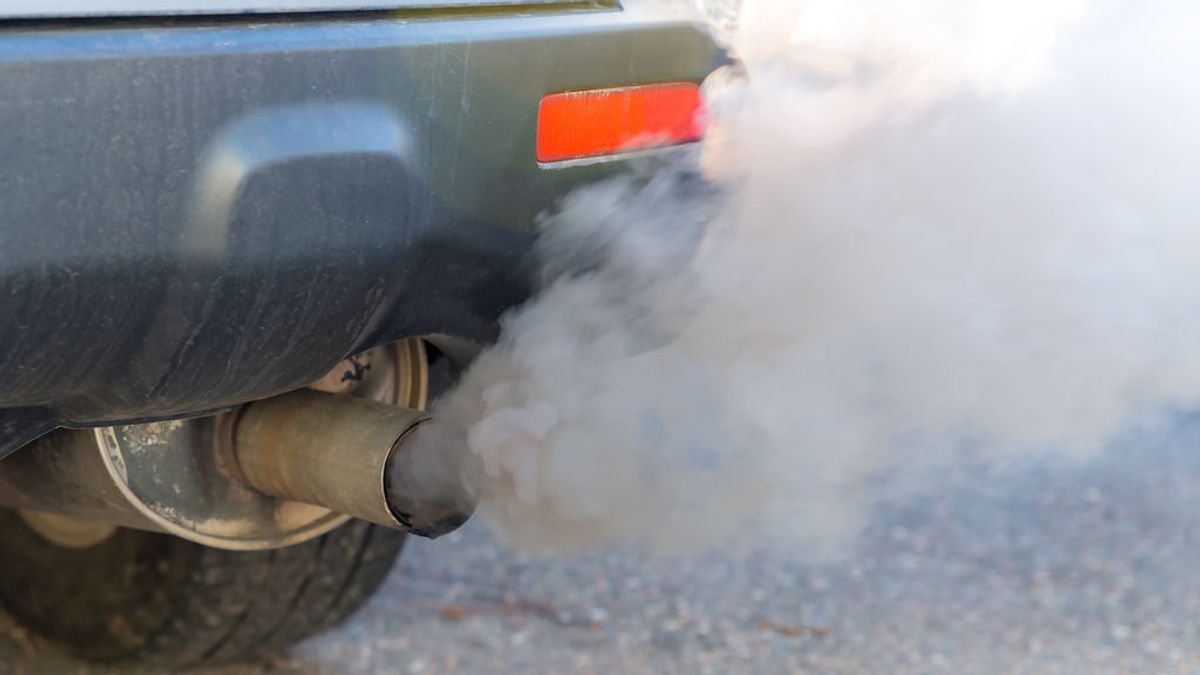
199,214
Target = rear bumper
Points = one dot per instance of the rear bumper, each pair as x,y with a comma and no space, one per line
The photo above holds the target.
69,9
199,215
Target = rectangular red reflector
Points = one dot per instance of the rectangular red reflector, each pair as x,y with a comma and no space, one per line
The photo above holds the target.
583,124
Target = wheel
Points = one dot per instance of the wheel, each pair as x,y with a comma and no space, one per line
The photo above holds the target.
157,599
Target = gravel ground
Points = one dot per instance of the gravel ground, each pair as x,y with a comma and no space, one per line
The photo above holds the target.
1032,569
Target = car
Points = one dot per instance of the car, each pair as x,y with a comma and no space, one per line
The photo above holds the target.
242,243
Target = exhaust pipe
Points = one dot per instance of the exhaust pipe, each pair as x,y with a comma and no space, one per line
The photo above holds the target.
354,456
273,473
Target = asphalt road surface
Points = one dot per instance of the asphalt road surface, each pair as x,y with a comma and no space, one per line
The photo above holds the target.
1091,568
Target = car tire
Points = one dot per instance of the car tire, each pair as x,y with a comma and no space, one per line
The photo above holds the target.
156,599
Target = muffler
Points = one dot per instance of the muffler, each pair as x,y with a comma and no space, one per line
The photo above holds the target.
353,456
272,473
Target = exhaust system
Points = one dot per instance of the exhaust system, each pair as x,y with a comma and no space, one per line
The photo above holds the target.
275,472
353,456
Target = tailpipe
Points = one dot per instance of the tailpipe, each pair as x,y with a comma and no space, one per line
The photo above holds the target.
357,457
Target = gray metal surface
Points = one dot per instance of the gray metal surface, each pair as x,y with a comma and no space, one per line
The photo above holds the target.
43,9
1083,569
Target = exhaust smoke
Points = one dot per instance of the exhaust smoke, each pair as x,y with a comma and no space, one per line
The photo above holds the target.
920,233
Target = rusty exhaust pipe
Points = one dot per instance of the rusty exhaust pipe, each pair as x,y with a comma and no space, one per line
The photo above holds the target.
353,456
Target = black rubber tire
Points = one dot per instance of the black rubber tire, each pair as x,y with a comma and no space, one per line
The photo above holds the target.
159,600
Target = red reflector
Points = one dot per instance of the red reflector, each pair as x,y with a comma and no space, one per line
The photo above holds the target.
603,121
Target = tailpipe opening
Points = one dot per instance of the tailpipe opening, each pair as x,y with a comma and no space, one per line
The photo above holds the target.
357,457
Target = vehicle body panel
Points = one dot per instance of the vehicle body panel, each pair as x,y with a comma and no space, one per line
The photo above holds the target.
46,9
194,216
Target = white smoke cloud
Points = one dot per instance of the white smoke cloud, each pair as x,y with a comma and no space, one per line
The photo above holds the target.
920,230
